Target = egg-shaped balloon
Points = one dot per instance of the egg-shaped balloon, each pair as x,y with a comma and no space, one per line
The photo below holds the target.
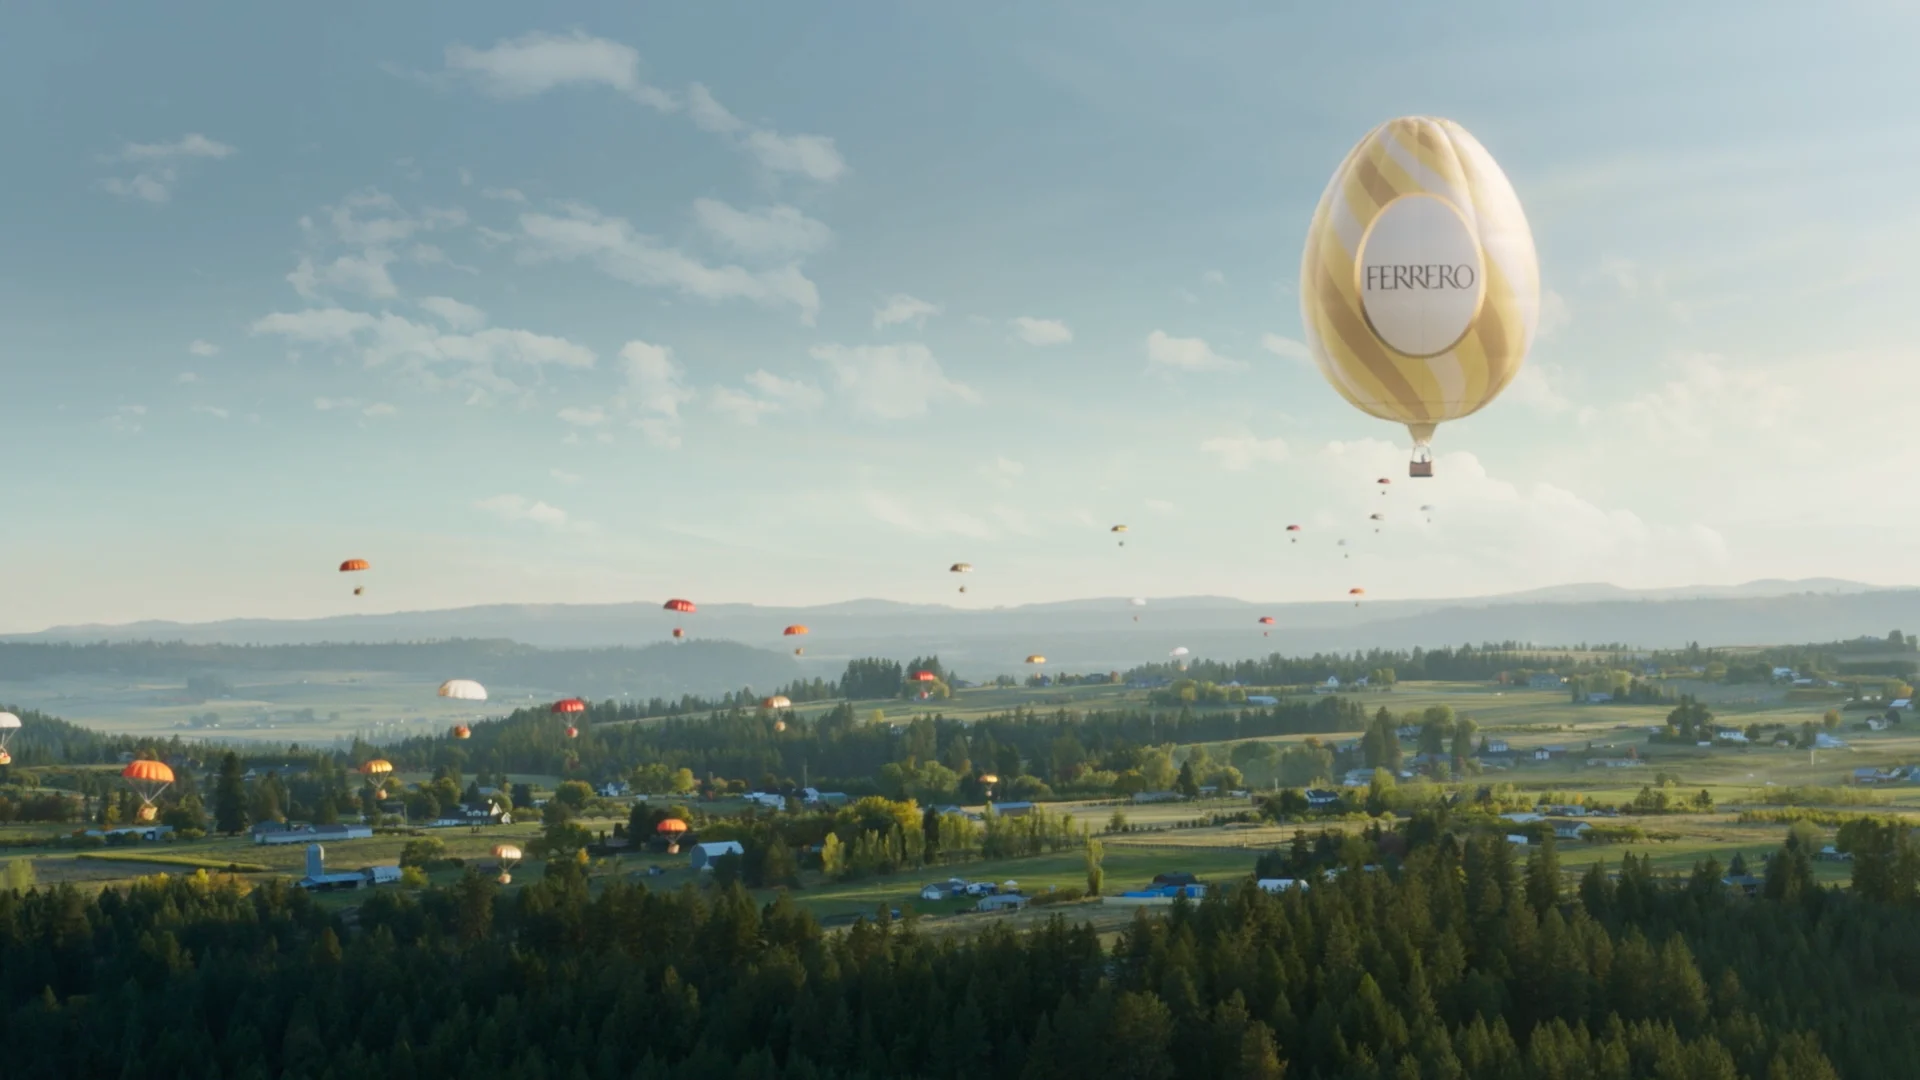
1419,287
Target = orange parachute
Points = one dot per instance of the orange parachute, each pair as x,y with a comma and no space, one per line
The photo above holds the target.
795,630
570,705
148,779
777,701
378,768
352,565
671,827
683,606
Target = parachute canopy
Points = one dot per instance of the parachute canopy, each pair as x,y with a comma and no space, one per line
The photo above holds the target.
777,701
922,676
352,565
507,852
1266,620
1138,601
1419,285
671,827
8,721
569,705
376,767
1036,658
463,690
1293,528
1118,528
148,772
960,568
1356,592
1180,650
685,606
794,631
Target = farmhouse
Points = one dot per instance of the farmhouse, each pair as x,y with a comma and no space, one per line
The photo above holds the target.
1007,902
1319,798
284,832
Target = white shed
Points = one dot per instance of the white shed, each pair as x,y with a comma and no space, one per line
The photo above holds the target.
704,855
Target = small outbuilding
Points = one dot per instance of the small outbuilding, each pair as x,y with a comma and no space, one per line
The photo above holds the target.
704,856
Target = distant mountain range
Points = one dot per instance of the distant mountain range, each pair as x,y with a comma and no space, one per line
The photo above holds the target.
1103,633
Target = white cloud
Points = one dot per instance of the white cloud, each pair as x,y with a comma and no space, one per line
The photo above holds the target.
1554,314
186,377
1041,331
925,518
891,381
326,404
211,410
378,408
1286,347
425,351
126,419
743,407
535,63
612,245
159,165
375,220
1214,277
1531,387
1008,467
455,314
901,308
429,255
653,378
812,156
1241,452
520,508
775,394
365,274
503,194
592,417
1708,401
1186,354
203,348
772,232
565,477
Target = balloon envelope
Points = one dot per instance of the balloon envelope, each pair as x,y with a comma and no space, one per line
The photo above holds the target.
1419,285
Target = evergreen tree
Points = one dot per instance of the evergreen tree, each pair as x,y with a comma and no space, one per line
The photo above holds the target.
230,797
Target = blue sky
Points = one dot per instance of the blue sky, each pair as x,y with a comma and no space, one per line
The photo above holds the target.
796,303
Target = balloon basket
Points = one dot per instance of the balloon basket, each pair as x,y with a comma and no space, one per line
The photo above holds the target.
1420,468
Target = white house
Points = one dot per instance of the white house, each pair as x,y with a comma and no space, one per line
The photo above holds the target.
1517,839
1824,741
705,855
1731,735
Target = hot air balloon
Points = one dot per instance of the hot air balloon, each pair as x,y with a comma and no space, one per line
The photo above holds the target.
569,705
9,724
1293,529
777,701
148,779
508,856
461,731
463,690
1419,286
1036,658
1120,529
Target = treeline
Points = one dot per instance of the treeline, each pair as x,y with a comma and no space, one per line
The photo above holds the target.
1451,961
1466,663
848,749
663,669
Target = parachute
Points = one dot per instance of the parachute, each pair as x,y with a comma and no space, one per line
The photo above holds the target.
148,779
1266,620
1376,518
569,705
9,724
508,856
352,566
795,630
685,607
923,676
961,568
377,770
777,701
1356,594
1428,510
463,690
1119,529
1293,529
1419,284
673,829
1036,658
